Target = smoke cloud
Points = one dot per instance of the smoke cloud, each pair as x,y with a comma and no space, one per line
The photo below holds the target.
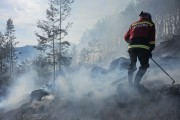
81,84
81,95
19,92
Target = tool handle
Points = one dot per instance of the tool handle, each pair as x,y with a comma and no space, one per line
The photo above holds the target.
173,81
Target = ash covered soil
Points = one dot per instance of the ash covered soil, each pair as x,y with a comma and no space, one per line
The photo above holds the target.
158,99
159,104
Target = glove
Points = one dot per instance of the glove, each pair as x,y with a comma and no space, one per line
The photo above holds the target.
128,41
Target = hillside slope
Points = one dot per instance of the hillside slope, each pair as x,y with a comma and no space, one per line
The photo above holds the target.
170,47
155,101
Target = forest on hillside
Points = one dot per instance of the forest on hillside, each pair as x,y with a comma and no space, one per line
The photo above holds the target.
105,41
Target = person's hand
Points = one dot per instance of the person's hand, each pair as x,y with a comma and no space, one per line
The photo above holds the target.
128,41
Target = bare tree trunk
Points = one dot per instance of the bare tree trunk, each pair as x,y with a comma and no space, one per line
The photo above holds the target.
176,21
54,62
60,27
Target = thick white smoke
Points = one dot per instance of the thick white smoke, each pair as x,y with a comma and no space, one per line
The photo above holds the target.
71,86
19,92
81,84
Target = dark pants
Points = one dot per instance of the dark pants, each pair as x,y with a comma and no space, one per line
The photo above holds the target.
143,56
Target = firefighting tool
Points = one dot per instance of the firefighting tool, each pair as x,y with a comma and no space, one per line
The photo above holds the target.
173,81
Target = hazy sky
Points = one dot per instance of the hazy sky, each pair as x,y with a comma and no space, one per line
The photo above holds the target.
84,14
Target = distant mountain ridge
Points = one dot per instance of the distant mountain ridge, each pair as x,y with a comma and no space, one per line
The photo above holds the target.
26,52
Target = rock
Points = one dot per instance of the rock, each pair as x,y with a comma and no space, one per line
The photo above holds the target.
96,70
169,47
119,64
169,89
38,94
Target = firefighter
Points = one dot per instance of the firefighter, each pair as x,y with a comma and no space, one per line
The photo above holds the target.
141,42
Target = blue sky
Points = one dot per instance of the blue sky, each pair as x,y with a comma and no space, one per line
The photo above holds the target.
26,13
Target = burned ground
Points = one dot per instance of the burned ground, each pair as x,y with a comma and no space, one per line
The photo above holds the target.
158,104
157,100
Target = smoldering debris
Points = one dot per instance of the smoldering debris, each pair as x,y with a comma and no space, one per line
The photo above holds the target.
38,94
79,96
146,106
